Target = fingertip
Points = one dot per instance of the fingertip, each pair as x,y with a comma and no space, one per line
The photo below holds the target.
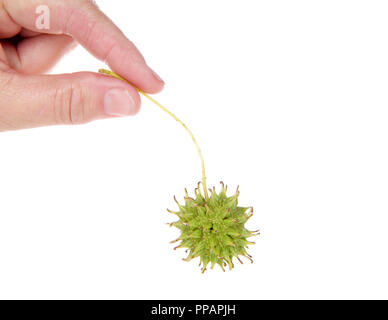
118,102
155,88
151,82
160,82
119,98
139,74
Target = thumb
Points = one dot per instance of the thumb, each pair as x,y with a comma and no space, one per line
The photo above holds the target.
28,101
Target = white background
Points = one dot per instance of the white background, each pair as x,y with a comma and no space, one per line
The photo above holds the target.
288,99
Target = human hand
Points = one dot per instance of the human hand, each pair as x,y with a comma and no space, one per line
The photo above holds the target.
28,98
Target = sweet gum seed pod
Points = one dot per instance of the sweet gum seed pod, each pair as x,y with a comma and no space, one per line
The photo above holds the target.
215,230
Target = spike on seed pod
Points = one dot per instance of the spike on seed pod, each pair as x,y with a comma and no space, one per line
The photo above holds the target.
173,212
203,217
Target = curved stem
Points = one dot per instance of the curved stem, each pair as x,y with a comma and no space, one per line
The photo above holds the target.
104,71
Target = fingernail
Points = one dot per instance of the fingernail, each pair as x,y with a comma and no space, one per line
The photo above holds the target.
119,103
156,76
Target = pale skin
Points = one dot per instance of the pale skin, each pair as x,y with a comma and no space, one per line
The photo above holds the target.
30,98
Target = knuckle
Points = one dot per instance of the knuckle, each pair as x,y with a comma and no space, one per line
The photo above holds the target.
70,104
7,94
6,80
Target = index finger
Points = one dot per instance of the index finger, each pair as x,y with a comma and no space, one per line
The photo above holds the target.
92,29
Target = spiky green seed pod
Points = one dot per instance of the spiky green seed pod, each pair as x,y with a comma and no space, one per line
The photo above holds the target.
213,229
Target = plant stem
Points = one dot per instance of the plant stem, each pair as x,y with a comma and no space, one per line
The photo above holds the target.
104,71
